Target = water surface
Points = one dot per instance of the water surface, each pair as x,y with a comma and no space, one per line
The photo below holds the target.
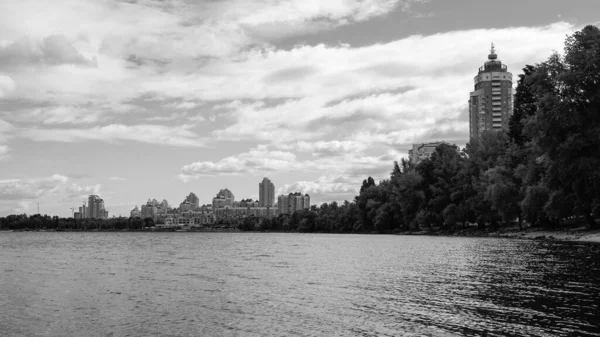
238,284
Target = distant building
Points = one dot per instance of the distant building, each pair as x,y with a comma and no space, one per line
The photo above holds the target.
136,213
149,210
230,212
191,202
282,204
266,192
223,198
224,207
491,104
203,216
423,151
83,211
95,208
288,204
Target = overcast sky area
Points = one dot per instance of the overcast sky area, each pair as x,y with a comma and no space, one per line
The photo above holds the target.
143,99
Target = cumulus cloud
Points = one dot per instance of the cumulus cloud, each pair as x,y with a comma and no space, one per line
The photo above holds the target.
52,50
6,85
145,133
256,160
59,186
4,151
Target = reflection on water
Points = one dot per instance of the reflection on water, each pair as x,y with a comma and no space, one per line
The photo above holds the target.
226,284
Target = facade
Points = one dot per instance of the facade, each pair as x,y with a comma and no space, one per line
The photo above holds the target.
266,192
491,104
223,198
191,202
282,204
200,218
229,213
95,208
83,211
422,151
224,207
288,204
149,210
136,213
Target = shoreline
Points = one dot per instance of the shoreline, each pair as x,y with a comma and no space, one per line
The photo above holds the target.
566,234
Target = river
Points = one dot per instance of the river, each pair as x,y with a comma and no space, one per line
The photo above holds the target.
256,284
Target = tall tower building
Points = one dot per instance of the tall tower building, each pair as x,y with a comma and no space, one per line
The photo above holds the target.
491,104
93,207
266,193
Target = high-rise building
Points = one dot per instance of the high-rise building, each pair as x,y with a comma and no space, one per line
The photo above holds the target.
95,208
282,204
266,193
491,104
149,210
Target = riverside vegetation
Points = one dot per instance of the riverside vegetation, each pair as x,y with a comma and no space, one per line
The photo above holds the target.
543,171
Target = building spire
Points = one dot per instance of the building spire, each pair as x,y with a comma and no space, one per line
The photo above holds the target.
493,55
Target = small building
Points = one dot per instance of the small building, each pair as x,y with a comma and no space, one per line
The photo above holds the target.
423,151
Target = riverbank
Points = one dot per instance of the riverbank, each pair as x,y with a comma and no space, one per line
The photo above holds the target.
574,234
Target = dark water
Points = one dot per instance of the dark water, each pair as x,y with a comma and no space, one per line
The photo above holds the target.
232,284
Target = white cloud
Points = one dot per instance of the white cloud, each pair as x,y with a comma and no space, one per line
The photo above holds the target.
58,186
116,178
172,117
256,160
4,151
6,85
145,133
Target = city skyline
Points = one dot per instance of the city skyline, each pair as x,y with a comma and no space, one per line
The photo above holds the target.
95,101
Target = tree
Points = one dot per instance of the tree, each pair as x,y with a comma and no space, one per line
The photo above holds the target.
567,123
524,107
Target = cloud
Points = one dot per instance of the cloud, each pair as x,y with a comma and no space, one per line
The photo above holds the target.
59,186
6,85
116,178
256,160
145,133
171,117
5,129
276,19
4,151
52,50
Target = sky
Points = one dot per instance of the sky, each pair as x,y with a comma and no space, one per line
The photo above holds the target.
132,100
